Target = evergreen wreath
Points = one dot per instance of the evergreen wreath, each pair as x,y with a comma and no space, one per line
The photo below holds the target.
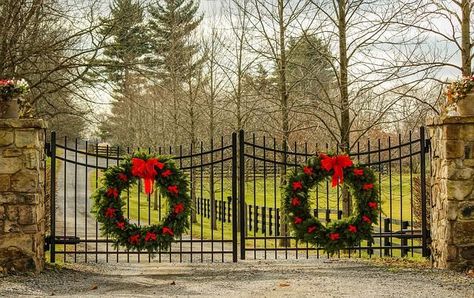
172,183
339,234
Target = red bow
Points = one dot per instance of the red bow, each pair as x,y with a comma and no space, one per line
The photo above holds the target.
336,163
168,231
150,236
146,170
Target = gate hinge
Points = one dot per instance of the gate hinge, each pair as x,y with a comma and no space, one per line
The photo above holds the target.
61,240
47,149
427,145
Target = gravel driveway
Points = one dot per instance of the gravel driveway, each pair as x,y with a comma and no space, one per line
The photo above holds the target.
295,278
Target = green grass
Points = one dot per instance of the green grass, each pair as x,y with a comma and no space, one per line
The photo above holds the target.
264,192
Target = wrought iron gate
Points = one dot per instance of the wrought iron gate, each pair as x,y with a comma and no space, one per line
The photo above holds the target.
235,187
401,172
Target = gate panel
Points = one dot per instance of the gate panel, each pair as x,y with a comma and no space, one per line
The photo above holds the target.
401,171
76,170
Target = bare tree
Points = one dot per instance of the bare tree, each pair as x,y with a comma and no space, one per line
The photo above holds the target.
42,42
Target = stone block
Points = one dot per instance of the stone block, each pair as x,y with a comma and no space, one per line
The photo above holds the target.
469,150
466,133
6,137
25,181
31,229
452,210
466,210
31,159
469,162
451,132
12,212
30,198
463,231
26,138
467,252
8,198
12,152
17,253
462,174
452,149
459,190
11,227
4,182
26,214
10,165
451,253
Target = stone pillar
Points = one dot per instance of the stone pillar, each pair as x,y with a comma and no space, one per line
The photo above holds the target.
22,212
452,191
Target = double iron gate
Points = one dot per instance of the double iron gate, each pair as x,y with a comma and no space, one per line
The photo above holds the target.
235,186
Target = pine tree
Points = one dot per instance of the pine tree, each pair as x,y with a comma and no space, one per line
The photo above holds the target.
309,66
171,26
124,63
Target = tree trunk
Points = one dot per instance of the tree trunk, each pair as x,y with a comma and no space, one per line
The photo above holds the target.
344,93
285,119
466,38
211,174
193,171
239,118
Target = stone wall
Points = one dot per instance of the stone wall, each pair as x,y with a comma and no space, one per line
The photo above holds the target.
22,210
452,188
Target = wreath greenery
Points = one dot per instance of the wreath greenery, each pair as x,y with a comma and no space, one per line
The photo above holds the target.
339,234
172,183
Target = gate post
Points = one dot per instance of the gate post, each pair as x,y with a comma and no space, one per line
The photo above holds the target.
234,197
242,218
22,206
452,189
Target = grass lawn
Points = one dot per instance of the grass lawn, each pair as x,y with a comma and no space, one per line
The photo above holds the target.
396,193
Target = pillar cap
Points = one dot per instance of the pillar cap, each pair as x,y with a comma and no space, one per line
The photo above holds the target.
434,121
22,123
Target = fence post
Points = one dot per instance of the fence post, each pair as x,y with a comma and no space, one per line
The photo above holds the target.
222,210
255,217
250,217
386,239
229,212
404,239
277,222
270,223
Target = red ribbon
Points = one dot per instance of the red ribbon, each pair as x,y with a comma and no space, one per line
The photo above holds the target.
146,169
336,163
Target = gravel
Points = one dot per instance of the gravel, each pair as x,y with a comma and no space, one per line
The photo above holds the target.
297,278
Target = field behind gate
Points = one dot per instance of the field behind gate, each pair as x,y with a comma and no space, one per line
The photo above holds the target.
211,236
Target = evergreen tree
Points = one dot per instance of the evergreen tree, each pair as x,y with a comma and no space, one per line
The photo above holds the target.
124,63
126,47
309,67
171,26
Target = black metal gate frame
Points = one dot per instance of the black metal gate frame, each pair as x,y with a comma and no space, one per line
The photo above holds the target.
238,180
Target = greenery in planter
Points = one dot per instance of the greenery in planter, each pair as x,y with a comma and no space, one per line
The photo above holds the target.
459,89
11,88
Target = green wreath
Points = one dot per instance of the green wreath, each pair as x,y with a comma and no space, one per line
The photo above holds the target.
171,182
339,234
